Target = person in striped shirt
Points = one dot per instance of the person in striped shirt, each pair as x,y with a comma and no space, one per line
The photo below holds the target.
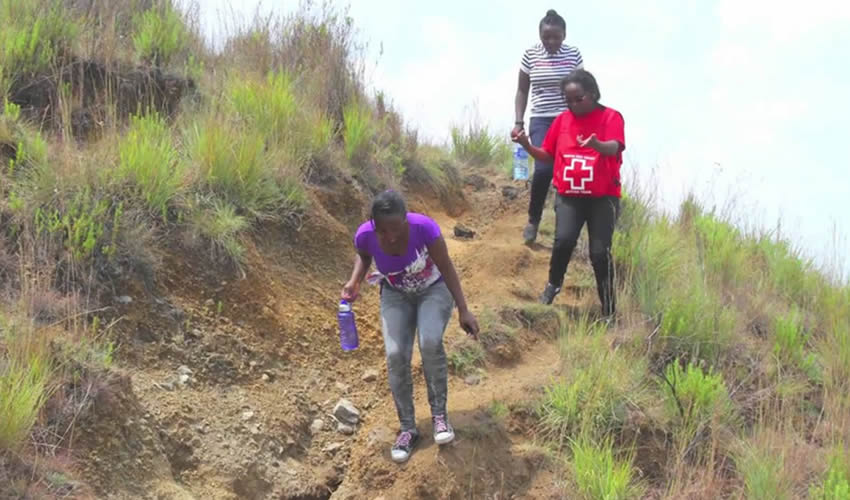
543,67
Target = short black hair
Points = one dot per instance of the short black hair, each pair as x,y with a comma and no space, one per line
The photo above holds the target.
388,204
585,79
552,18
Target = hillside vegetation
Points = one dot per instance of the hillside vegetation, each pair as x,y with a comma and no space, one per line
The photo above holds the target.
127,144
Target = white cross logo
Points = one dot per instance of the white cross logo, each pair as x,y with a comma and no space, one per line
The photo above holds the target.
575,165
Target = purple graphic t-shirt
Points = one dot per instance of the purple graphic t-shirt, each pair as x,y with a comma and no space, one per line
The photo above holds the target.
415,270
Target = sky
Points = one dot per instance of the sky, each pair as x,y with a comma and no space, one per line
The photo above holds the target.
741,102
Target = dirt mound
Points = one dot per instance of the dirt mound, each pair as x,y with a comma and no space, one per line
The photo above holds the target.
95,88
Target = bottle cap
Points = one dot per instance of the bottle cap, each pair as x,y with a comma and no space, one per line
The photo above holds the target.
344,306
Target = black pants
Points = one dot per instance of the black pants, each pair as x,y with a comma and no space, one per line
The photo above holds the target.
542,178
600,214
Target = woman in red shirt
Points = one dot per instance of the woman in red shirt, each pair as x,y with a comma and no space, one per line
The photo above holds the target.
586,143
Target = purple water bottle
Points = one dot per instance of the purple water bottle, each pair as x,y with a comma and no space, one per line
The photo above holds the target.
347,327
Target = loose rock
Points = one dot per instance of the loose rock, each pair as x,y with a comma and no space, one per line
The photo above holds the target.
510,192
473,379
370,375
317,426
184,370
333,447
345,429
247,415
346,412
342,387
462,231
124,299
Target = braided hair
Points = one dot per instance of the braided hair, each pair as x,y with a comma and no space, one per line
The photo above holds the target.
552,18
388,204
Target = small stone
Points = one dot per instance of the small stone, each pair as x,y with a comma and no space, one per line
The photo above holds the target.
254,429
473,379
184,379
345,429
333,447
510,192
317,426
346,412
289,441
247,415
266,378
209,302
184,370
370,376
462,231
168,386
124,299
342,387
252,364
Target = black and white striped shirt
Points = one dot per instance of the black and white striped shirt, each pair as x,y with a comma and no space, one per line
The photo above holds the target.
545,72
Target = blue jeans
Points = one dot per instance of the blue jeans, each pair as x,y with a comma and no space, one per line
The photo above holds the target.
542,179
402,314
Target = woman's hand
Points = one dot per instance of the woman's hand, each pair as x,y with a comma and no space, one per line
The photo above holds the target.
350,291
469,323
591,142
517,130
521,138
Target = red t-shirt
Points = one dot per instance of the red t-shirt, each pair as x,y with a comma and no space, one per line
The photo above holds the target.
583,171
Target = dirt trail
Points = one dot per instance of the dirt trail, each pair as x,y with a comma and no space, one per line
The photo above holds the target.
228,384
491,456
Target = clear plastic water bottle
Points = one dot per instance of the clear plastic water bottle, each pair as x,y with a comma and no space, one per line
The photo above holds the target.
347,327
520,163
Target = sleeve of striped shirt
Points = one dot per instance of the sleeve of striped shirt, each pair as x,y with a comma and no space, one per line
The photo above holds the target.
525,64
579,60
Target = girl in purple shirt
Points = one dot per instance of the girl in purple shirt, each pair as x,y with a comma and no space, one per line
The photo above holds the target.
419,288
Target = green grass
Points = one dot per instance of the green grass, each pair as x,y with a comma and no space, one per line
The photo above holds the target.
465,357
220,224
593,394
476,146
836,481
236,166
598,474
160,33
694,398
762,472
697,324
25,376
36,36
148,158
789,345
498,409
266,105
358,132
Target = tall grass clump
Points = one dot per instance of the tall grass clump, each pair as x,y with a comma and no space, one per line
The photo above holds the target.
36,36
476,146
358,132
160,33
221,224
836,481
594,394
268,105
694,399
763,474
236,166
722,252
598,474
148,158
25,375
789,345
697,324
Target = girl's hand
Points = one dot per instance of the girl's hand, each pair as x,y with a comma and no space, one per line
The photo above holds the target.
469,323
521,138
588,142
350,291
516,131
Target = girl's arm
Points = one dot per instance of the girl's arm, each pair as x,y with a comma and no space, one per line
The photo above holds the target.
535,152
362,262
521,99
439,252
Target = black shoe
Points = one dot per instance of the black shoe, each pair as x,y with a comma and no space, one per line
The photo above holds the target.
404,444
549,293
529,234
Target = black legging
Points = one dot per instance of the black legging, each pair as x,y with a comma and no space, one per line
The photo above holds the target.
542,178
600,214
